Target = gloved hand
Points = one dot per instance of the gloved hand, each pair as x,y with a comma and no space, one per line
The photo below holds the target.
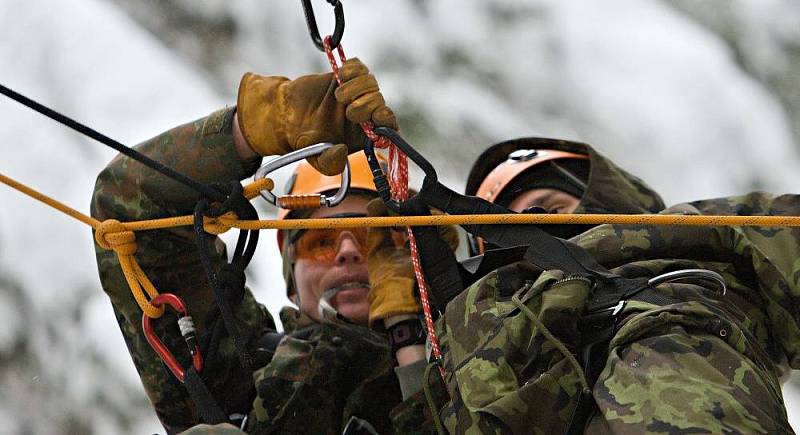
278,115
391,273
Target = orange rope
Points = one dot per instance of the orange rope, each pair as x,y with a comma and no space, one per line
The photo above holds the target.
114,235
120,237
92,222
523,219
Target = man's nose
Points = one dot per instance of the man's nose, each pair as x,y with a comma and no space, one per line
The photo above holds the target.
348,251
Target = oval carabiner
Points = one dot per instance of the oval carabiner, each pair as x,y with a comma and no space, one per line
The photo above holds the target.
186,326
313,30
296,202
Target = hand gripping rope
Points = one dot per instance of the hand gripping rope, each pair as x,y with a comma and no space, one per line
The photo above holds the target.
398,182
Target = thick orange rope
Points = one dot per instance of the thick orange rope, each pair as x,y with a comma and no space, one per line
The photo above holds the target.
120,237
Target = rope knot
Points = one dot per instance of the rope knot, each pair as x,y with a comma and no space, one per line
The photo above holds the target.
112,234
220,224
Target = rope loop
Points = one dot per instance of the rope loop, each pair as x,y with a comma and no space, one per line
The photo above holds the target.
112,234
220,224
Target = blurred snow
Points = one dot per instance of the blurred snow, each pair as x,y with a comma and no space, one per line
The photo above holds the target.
665,93
69,370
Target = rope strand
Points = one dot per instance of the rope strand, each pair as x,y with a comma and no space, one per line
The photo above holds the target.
227,221
398,185
107,141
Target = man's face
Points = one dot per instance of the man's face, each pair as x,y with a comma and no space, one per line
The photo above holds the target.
346,270
552,200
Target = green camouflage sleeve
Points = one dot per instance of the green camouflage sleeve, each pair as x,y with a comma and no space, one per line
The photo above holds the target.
775,257
765,261
126,190
722,353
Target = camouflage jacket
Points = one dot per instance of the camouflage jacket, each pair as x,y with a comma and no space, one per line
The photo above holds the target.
686,359
315,382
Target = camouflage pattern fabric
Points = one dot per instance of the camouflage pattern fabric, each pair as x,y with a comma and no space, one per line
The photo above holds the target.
711,362
702,363
698,362
315,382
127,190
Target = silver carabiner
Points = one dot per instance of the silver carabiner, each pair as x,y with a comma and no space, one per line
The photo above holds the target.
302,201
684,274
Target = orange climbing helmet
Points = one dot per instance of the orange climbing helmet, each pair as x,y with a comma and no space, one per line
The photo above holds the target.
307,181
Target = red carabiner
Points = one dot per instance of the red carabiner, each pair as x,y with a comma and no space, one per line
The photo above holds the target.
187,331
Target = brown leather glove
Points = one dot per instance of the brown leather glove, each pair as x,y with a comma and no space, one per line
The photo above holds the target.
391,273
278,115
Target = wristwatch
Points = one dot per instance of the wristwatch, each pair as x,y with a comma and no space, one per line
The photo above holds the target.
406,333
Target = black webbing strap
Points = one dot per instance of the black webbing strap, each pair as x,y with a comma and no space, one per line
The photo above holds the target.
208,408
228,283
544,250
439,264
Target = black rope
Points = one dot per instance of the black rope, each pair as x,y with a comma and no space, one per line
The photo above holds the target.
228,283
209,341
105,140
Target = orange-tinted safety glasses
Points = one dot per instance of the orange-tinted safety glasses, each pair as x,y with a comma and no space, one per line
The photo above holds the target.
323,244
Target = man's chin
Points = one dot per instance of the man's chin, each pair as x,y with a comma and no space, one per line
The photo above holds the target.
353,305
357,295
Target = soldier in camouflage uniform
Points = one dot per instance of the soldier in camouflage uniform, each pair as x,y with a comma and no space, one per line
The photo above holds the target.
322,373
691,357
698,361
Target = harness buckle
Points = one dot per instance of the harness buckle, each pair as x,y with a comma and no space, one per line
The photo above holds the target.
617,308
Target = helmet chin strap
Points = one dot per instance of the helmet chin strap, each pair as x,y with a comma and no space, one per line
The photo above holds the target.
326,310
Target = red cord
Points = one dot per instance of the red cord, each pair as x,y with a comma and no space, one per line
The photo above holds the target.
398,182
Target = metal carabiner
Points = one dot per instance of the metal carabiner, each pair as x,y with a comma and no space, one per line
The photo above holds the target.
296,202
313,30
687,274
186,326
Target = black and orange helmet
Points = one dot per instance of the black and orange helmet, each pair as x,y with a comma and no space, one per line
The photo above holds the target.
496,170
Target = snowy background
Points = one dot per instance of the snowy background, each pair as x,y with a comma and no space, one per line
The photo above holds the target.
701,99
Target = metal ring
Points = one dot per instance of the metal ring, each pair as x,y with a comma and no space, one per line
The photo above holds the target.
296,156
678,275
